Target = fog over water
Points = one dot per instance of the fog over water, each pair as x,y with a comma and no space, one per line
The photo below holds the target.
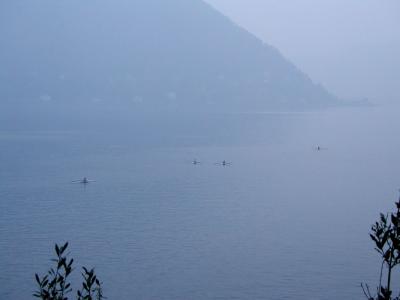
282,221
287,180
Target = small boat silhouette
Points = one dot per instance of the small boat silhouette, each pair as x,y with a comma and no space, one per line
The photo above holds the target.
84,180
195,162
224,163
319,148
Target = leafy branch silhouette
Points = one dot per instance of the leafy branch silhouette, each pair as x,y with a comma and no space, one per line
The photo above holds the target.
386,235
55,285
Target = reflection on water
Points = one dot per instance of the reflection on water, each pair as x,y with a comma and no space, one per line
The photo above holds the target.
282,221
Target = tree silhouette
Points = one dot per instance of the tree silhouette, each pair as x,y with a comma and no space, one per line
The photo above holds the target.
386,235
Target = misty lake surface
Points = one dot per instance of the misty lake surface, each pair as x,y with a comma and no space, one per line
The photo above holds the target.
283,221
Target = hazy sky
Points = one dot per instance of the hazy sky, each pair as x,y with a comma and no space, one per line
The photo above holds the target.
350,46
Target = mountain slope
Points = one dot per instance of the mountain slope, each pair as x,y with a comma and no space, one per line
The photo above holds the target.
179,54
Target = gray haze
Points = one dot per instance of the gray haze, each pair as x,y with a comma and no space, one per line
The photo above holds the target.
284,221
286,218
180,54
352,47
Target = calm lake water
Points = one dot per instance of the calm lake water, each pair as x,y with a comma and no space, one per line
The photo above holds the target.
283,221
